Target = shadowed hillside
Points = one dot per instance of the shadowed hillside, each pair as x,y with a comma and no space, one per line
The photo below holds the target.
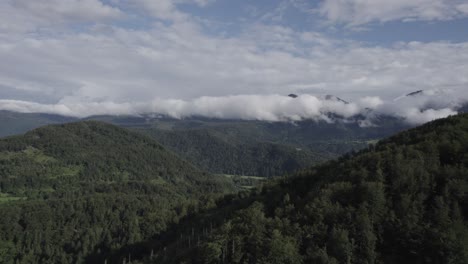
404,200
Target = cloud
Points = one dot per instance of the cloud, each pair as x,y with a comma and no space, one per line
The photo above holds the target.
29,16
416,116
163,9
179,61
370,102
204,2
255,107
167,9
272,108
359,12
103,67
463,8
76,109
246,107
423,106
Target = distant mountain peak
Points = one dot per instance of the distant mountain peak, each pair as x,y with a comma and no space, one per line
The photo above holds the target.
335,98
412,94
463,108
416,93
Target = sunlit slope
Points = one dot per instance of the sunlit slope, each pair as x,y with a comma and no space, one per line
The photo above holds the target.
75,192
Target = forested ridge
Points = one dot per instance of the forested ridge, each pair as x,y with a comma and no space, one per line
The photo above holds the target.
404,200
236,147
257,148
89,192
215,153
78,192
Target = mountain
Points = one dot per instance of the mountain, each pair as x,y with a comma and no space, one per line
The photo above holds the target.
335,98
240,147
419,92
218,153
262,148
412,95
404,200
463,108
77,192
14,123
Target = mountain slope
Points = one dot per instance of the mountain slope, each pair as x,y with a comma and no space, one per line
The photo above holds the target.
235,146
261,148
217,153
14,123
76,192
403,201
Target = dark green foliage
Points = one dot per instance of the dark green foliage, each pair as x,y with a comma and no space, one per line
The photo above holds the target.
217,153
79,192
404,200
255,147
236,147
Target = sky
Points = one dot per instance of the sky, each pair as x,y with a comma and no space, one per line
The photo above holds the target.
233,59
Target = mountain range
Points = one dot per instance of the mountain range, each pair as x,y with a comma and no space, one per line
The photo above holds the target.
237,147
245,147
403,200
91,192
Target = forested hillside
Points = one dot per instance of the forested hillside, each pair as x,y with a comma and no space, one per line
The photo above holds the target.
89,192
236,147
13,123
404,200
217,153
78,192
258,148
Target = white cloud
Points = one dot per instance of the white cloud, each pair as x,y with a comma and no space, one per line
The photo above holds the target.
78,109
463,8
370,102
28,16
247,107
416,116
275,108
107,69
426,105
178,61
359,12
167,9
203,2
163,9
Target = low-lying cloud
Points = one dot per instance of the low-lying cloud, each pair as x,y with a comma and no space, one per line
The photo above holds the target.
93,57
415,109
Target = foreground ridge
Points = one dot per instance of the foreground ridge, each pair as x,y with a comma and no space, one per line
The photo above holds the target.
403,200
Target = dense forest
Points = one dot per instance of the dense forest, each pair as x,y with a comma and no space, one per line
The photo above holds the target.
75,193
217,154
404,200
90,192
236,147
258,148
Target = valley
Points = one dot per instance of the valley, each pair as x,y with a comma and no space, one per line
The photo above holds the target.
240,147
233,132
94,192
